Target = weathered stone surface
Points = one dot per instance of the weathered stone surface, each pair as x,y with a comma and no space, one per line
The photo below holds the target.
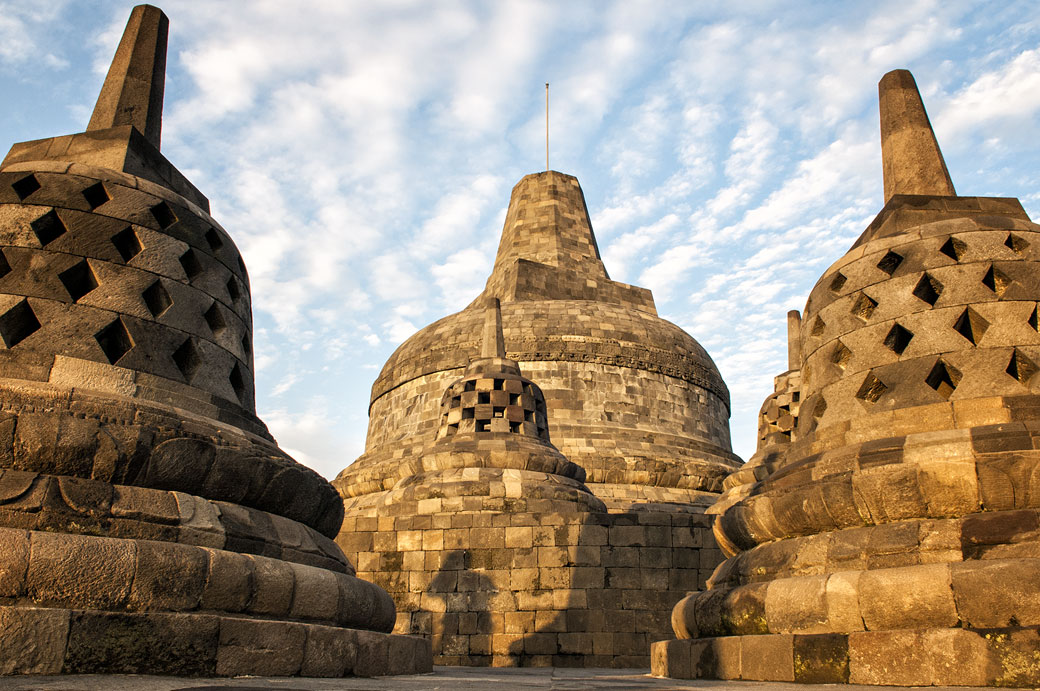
255,647
34,640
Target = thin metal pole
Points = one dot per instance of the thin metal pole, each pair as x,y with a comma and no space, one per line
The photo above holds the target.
547,127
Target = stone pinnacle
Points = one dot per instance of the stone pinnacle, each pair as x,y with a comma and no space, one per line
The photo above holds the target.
912,161
133,90
493,342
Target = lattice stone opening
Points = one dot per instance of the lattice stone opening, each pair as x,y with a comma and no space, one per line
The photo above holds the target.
483,397
187,359
837,282
238,383
890,262
944,378
864,306
156,299
469,386
214,320
1034,319
928,290
190,264
48,228
1015,243
820,408
115,340
971,325
25,186
245,345
232,289
996,280
127,243
163,215
841,356
872,389
898,339
1020,367
954,248
213,239
96,195
78,280
18,323
818,326
241,265
5,266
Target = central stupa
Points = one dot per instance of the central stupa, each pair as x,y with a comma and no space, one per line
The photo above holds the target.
630,398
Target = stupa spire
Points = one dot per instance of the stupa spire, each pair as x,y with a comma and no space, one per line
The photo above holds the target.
912,161
133,90
493,345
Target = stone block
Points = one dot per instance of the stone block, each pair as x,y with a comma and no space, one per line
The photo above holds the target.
997,593
912,596
260,648
796,605
80,571
169,577
915,657
671,659
142,643
14,561
821,659
33,640
767,658
329,652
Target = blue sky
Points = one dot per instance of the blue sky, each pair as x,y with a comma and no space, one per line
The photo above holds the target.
362,153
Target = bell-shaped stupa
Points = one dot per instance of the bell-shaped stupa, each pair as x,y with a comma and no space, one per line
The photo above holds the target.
893,537
506,548
148,521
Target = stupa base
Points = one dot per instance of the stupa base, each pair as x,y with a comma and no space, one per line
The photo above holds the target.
41,640
1006,657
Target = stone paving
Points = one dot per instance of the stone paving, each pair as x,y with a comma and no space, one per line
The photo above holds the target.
453,678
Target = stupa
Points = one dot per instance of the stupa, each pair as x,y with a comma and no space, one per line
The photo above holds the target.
631,445
891,536
148,521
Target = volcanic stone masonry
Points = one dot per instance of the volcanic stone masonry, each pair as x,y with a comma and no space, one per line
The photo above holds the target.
887,530
148,521
554,516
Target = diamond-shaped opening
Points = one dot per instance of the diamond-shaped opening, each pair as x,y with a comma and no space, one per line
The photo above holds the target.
238,382
156,299
864,306
214,320
1034,319
127,243
232,289
841,356
818,326
837,282
190,263
5,266
241,264
996,280
872,389
163,215
246,351
943,378
18,323
48,227
1020,367
187,359
820,408
890,262
898,339
971,325
115,340
1015,243
954,248
25,186
96,195
78,279
213,239
928,289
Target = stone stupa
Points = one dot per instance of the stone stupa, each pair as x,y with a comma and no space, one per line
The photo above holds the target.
892,536
148,521
523,532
